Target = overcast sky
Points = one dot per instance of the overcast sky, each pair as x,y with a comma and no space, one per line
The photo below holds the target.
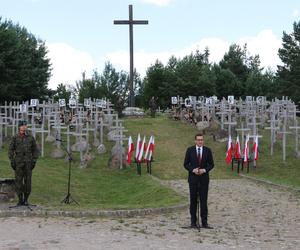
80,34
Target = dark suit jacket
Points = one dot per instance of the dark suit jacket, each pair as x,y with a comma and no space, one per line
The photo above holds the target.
191,162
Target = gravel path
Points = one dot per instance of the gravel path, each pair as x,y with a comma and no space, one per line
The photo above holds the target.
245,215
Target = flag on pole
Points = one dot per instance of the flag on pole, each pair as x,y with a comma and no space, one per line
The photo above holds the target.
147,149
130,149
237,149
150,149
229,151
145,146
255,148
151,152
138,146
141,151
246,149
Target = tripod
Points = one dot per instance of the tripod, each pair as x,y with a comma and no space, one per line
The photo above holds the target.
68,199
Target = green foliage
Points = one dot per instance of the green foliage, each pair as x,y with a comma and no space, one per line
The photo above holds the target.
234,60
191,75
24,66
110,84
238,74
63,92
154,82
226,81
289,73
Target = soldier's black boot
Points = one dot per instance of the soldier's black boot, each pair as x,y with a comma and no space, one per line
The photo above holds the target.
25,203
21,201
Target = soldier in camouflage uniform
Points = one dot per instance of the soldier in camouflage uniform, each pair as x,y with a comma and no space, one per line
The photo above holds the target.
152,105
23,154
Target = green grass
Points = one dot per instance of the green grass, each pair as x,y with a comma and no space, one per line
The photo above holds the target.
98,187
173,137
171,141
273,168
95,187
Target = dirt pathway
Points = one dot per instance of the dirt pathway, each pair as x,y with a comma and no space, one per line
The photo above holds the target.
245,215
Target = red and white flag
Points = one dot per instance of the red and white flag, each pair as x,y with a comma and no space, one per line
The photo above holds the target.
246,149
255,148
237,149
130,149
141,151
150,149
229,151
138,146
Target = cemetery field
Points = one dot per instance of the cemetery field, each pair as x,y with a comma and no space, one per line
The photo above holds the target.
98,187
171,141
173,137
94,187
273,168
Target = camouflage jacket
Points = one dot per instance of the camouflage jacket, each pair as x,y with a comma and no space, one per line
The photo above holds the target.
23,149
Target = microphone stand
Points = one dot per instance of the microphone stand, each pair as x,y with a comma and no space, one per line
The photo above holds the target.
198,206
68,199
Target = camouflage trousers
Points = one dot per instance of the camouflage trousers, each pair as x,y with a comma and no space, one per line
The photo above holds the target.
23,174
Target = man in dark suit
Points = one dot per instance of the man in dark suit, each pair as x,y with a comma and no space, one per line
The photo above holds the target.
198,162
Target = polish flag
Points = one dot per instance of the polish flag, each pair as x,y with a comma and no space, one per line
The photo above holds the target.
237,149
141,151
130,149
151,152
246,149
255,148
150,149
138,146
229,151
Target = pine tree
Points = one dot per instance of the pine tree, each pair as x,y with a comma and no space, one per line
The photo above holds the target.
289,73
24,66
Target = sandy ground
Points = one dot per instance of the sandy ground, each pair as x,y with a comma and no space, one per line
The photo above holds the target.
244,214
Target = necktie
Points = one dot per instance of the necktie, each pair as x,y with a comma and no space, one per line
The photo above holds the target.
199,156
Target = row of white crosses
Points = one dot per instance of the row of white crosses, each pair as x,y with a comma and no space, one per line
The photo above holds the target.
88,118
281,114
12,113
283,120
119,137
251,113
204,105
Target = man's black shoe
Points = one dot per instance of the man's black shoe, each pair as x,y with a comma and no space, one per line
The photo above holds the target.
20,203
194,226
206,226
21,200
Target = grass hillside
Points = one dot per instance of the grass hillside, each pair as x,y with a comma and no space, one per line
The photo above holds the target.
98,187
173,137
171,141
94,187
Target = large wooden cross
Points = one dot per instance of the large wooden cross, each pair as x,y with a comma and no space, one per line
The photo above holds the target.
131,22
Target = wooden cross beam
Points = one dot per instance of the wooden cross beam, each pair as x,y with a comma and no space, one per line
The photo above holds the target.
131,22
296,128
